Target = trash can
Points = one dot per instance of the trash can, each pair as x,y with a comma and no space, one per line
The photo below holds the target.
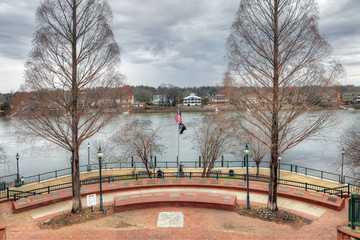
231,172
160,174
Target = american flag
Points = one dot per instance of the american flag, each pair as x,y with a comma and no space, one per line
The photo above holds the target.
178,118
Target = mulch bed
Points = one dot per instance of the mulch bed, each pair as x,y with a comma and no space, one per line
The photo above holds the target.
68,219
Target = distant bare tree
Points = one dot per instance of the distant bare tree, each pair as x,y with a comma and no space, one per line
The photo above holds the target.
350,141
2,155
71,82
276,56
258,152
139,138
213,137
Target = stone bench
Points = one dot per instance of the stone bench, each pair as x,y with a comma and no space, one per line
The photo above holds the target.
186,199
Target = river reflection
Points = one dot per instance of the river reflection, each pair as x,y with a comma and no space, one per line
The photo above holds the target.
39,156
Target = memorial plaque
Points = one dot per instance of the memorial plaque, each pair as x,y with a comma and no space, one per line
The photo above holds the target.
152,181
125,184
189,181
176,180
138,183
283,189
228,182
215,182
159,194
242,184
123,198
315,194
146,195
164,181
68,192
39,198
266,186
255,185
214,195
170,219
135,196
174,195
85,189
96,187
190,194
330,199
202,181
112,185
226,197
54,195
299,192
23,202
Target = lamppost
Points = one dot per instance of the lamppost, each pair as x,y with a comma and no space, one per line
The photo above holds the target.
17,167
247,152
100,155
279,158
342,166
88,157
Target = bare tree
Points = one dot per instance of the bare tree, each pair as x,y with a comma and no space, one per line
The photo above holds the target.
71,80
350,142
139,138
2,155
276,56
213,137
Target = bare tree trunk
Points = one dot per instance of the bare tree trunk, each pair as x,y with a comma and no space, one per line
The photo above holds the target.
75,177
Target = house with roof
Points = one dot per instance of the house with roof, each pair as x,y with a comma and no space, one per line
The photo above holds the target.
192,100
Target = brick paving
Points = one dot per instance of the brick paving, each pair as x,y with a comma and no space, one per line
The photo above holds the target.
199,223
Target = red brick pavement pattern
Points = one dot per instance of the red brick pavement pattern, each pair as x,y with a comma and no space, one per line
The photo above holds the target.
199,224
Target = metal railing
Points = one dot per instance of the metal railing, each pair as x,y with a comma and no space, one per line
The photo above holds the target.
339,191
192,164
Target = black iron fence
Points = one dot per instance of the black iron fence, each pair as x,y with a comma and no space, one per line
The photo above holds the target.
339,191
354,211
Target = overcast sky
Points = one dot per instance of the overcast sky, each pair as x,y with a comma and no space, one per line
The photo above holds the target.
179,42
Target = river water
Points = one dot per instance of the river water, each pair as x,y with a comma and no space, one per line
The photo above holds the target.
38,156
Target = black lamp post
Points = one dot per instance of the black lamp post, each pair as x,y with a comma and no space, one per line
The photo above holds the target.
17,167
279,158
100,155
247,152
88,157
342,166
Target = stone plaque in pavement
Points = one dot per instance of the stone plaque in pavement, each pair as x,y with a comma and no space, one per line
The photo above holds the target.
23,202
135,196
54,195
189,181
330,199
123,198
189,194
283,189
111,185
202,181
146,195
152,181
241,183
68,192
176,180
254,185
39,198
164,181
125,184
159,194
299,192
214,195
85,189
136,183
215,182
315,194
228,182
174,195
170,219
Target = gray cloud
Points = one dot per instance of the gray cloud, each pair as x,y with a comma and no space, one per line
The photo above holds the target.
172,41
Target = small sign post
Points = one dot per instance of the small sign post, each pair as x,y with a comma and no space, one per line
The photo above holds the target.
91,201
